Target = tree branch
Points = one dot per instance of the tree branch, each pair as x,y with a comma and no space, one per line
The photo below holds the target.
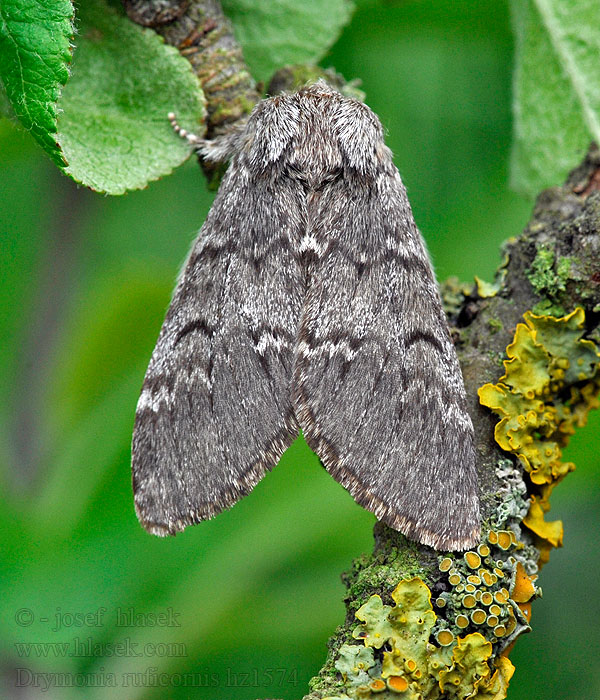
552,268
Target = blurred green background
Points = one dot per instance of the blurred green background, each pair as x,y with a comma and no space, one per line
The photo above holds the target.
256,592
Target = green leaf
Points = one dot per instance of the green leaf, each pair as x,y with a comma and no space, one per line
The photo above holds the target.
35,50
113,128
556,88
274,33
6,109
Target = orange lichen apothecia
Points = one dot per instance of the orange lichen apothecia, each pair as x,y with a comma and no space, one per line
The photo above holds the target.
551,381
478,596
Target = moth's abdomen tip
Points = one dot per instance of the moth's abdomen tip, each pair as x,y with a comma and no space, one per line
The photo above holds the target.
164,529
160,526
156,529
458,544
445,539
445,543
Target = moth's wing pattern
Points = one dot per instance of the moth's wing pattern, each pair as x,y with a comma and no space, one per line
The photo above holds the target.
378,389
215,411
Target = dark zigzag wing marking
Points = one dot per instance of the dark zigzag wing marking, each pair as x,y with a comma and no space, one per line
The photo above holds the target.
378,390
215,410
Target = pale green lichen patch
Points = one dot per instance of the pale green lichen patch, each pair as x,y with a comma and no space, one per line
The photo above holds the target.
549,277
354,663
401,657
495,325
511,498
396,557
486,290
550,383
376,629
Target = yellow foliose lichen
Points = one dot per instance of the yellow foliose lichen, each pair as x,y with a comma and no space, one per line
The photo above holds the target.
496,687
478,599
486,289
551,532
469,667
376,629
410,666
551,381
523,588
412,619
470,675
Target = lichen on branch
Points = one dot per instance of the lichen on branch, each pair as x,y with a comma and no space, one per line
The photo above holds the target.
425,624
